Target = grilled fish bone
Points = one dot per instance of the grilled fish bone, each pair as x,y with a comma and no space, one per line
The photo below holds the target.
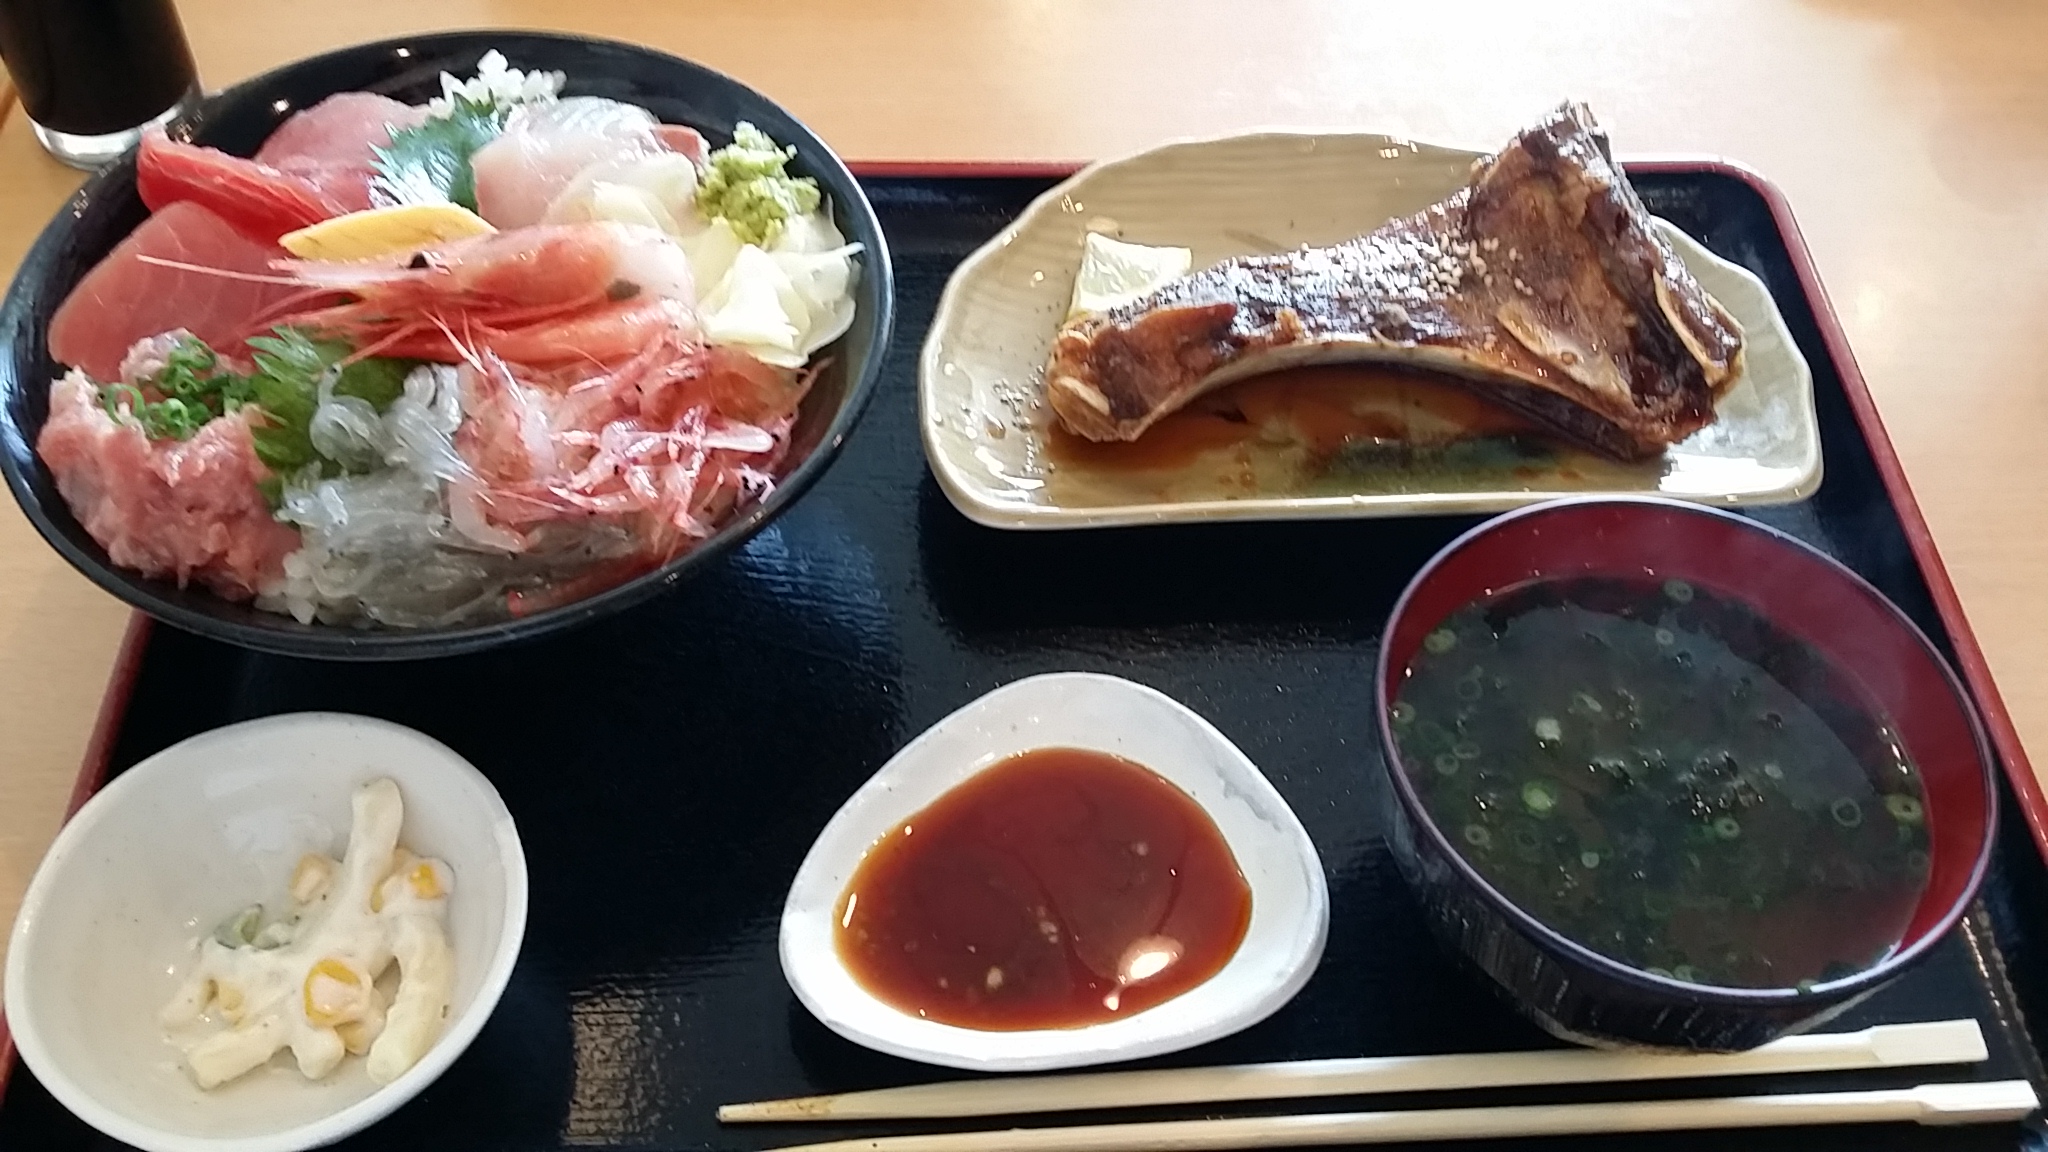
1542,285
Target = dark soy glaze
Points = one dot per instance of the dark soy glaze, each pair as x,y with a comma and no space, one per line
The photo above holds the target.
1663,776
1055,889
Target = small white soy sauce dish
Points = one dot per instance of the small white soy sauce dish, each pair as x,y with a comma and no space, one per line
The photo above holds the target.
1290,902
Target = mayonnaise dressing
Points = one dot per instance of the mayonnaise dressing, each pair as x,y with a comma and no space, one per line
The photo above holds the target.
309,981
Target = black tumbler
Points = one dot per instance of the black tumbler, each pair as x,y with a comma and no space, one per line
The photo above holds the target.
94,74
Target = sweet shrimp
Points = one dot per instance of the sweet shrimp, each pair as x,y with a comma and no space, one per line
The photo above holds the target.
590,293
666,444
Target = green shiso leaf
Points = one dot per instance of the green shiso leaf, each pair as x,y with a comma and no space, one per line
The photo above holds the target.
429,163
286,385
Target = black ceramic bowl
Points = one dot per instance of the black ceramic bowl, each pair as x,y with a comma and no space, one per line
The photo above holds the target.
1579,994
238,120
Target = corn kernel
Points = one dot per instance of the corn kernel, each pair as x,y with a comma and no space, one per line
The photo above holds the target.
229,997
401,860
354,1036
311,877
335,993
426,884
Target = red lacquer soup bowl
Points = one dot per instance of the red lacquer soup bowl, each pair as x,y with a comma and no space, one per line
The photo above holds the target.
1583,995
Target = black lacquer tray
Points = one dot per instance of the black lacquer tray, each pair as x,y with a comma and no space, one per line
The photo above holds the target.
669,766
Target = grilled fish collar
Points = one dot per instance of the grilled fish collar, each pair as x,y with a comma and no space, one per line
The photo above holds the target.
1542,285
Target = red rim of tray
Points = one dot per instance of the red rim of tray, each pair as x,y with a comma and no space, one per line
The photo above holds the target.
1970,663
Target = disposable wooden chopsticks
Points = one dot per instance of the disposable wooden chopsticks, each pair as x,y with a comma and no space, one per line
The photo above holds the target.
1886,1046
1997,1100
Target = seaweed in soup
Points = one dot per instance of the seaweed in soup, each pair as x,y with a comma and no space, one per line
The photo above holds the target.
1665,777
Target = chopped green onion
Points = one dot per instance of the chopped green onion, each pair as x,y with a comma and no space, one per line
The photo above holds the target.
276,934
194,389
1478,836
1905,809
1727,827
1402,712
1539,797
1440,641
1678,590
239,930
1846,812
1446,764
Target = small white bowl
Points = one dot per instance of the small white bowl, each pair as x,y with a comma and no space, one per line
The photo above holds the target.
1290,901
184,838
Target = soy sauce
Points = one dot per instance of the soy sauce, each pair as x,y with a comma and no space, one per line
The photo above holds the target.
94,67
1058,888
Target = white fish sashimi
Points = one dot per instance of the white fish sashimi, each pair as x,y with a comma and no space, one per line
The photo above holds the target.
820,265
658,191
782,303
654,263
545,146
712,251
755,307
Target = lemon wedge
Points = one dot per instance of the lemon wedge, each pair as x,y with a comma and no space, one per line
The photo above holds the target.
384,232
1113,272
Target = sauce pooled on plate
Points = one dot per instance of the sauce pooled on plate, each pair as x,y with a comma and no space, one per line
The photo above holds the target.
1058,888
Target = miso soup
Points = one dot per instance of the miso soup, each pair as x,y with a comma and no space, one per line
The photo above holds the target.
1665,777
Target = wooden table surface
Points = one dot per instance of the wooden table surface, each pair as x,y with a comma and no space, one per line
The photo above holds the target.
1912,139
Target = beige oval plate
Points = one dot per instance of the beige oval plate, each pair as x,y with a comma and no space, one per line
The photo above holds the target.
986,428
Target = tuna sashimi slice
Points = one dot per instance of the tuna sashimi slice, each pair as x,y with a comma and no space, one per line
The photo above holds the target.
125,298
330,144
256,198
183,510
683,140
339,130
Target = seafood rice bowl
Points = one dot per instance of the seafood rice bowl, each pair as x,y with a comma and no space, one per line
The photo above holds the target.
423,345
